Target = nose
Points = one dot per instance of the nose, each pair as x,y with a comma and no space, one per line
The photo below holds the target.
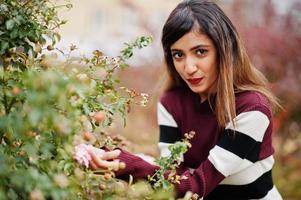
190,66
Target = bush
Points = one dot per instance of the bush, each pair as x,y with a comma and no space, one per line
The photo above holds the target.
49,105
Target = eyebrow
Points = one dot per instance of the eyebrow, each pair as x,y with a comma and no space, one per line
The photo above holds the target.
193,48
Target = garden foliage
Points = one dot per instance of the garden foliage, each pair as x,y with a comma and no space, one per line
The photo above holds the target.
48,105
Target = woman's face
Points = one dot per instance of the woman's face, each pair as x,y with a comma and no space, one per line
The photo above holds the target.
195,59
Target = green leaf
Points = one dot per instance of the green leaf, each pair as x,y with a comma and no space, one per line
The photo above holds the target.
3,8
22,33
32,36
14,34
68,167
4,46
12,194
165,184
10,24
19,19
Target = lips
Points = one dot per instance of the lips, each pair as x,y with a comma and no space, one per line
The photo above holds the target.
194,81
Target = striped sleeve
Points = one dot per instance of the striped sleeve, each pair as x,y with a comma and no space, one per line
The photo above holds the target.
169,131
229,164
239,146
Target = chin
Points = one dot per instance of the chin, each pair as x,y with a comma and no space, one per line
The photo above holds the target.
196,90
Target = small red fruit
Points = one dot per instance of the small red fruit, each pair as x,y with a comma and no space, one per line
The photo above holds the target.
50,48
88,136
16,91
102,187
99,117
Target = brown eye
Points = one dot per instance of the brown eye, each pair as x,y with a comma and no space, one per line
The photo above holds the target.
201,51
177,55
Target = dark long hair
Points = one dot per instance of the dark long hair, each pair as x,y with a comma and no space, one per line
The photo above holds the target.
235,71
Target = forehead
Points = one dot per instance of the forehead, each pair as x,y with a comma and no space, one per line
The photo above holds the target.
192,39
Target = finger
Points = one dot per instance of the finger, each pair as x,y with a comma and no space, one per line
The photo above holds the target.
100,163
93,165
96,159
111,154
97,151
114,165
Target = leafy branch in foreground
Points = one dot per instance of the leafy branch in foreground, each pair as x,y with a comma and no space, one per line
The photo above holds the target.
47,105
25,26
48,108
170,163
140,43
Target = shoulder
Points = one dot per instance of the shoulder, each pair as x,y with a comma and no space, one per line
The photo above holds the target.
170,94
174,97
175,102
253,115
252,101
169,107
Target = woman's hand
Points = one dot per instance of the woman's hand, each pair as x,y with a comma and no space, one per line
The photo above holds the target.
105,160
96,158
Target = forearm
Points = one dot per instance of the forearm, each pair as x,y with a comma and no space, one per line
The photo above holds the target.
201,181
135,166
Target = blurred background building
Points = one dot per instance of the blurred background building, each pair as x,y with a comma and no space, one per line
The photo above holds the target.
106,24
270,30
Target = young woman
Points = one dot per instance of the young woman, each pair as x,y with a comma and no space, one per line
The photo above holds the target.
215,91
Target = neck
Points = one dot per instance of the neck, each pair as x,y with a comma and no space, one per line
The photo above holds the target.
203,98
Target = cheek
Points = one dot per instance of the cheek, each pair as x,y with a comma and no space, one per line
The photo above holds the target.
212,67
178,68
211,72
214,73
